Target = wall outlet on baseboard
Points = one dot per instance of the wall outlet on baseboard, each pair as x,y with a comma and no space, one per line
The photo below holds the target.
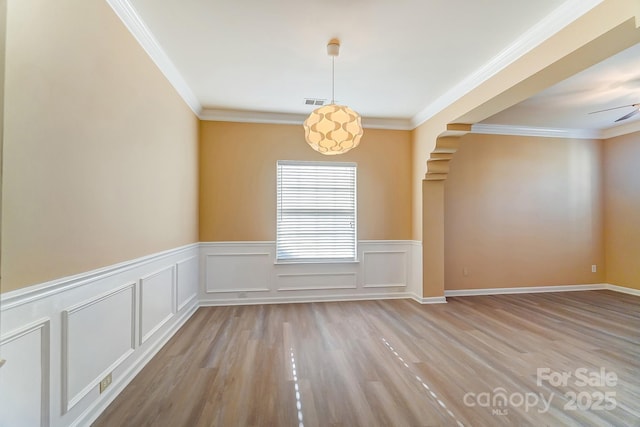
106,382
465,272
594,268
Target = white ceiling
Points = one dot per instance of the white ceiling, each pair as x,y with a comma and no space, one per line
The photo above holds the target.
400,60
612,83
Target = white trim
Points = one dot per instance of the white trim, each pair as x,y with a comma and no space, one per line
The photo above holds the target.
391,242
233,291
268,243
492,129
522,290
69,402
177,272
623,289
612,132
316,288
44,327
242,243
304,299
386,285
568,12
144,337
240,254
99,405
429,300
391,124
136,26
245,116
188,301
551,24
229,254
405,271
620,130
32,293
318,261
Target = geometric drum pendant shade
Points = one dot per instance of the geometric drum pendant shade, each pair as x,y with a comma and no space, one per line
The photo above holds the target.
333,129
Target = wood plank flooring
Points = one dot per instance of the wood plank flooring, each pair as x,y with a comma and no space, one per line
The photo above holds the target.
396,363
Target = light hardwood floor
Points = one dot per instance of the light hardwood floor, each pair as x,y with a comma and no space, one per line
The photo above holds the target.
395,363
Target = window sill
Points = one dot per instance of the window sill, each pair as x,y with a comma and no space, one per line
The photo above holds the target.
305,262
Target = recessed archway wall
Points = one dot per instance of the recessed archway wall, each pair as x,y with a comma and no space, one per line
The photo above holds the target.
607,29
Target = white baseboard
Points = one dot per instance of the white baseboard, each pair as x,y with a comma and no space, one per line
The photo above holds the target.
522,290
304,299
539,289
98,406
429,300
623,289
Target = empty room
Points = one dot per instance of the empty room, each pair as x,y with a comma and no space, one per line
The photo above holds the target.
320,213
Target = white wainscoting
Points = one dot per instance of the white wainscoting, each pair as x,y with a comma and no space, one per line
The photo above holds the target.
157,301
246,273
187,281
81,331
61,338
26,351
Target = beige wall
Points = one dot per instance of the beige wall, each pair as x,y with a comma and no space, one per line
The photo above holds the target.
100,152
608,28
238,180
605,30
3,33
523,211
622,210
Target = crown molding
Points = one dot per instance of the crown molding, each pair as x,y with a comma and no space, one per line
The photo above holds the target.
245,116
561,17
391,124
550,25
136,26
611,132
535,131
620,130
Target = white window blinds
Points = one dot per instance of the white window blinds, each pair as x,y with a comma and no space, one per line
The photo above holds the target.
316,211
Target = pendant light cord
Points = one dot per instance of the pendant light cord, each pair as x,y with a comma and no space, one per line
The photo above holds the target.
333,79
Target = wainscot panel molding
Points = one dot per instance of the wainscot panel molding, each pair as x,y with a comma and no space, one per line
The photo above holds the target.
187,281
116,311
27,355
247,273
157,301
61,338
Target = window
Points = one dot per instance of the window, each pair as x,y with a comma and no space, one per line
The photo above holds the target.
316,211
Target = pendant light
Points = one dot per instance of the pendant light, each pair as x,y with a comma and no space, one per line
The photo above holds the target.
333,129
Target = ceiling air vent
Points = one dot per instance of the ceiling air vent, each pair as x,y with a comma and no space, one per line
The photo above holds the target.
314,101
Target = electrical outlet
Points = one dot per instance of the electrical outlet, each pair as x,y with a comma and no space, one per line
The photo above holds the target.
594,268
465,272
106,382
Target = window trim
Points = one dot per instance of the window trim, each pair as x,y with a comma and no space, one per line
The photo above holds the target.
298,261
